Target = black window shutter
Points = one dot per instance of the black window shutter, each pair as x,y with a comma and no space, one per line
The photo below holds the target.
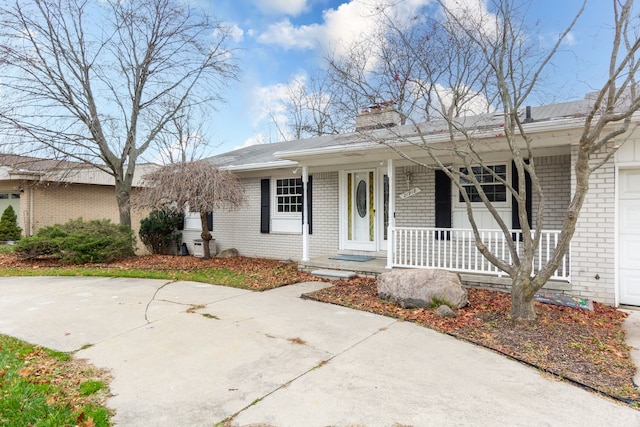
309,206
443,202
265,205
210,221
515,219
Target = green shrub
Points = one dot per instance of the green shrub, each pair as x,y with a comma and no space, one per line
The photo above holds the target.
438,301
157,231
79,242
9,229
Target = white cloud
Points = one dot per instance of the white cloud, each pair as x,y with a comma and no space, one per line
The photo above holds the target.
473,15
236,33
269,107
570,39
340,27
268,103
256,139
288,7
285,34
474,102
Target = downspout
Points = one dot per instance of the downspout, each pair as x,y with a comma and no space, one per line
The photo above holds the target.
30,211
305,216
391,243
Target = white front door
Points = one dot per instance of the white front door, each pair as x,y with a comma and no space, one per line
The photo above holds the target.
629,236
361,233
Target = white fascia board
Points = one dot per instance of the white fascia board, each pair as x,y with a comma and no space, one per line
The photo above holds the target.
25,175
333,149
260,166
431,138
545,126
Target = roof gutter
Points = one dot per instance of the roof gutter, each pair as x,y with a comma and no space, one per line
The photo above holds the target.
260,166
434,138
26,175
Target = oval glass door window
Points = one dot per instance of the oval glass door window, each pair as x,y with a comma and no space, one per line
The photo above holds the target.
361,198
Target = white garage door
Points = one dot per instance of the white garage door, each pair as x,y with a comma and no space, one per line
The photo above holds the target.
629,236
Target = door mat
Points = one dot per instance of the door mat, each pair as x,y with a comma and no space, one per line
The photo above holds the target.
356,258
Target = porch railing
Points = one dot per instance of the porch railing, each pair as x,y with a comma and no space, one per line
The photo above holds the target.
455,249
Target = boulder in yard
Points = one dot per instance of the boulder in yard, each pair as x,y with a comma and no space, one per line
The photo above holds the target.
445,311
228,253
422,288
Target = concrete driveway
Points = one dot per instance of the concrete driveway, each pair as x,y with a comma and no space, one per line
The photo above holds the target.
277,359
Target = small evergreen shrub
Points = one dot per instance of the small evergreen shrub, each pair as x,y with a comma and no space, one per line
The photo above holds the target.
79,242
157,231
9,229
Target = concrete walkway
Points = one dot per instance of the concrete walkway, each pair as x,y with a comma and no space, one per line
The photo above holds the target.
276,359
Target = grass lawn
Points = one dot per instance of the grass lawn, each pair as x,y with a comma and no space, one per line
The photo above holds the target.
41,387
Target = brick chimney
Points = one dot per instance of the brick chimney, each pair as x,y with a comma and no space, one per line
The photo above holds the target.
379,116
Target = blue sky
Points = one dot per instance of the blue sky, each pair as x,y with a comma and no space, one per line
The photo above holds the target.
277,40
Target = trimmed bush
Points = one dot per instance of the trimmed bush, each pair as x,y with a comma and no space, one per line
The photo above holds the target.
79,242
157,231
9,229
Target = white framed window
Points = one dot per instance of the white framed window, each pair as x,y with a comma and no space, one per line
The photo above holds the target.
9,196
495,190
288,195
286,205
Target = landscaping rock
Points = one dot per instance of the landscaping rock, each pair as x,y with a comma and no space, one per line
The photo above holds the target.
419,288
228,253
445,311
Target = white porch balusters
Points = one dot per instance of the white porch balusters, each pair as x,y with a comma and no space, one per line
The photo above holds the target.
455,249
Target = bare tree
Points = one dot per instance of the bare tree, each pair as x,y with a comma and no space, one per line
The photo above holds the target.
309,108
98,81
460,62
183,139
196,186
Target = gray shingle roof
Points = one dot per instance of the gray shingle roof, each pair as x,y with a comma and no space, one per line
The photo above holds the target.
264,153
261,154
34,164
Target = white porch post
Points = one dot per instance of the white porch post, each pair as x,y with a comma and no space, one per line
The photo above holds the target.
392,214
305,216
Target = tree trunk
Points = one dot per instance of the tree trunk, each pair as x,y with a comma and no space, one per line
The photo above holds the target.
123,198
522,293
206,235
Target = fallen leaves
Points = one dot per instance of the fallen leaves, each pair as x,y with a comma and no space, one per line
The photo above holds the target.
584,346
257,274
587,347
56,374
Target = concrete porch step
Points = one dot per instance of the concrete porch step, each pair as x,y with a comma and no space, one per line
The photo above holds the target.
334,274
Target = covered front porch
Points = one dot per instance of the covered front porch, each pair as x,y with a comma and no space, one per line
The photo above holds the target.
450,249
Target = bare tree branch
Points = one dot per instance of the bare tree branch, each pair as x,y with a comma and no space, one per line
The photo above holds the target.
197,186
455,65
98,82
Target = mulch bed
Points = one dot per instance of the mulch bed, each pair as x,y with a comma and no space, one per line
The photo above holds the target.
585,347
260,274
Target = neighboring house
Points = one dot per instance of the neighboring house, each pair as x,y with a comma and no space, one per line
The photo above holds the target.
46,192
362,197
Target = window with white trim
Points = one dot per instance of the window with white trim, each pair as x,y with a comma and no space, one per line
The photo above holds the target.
495,190
288,195
8,196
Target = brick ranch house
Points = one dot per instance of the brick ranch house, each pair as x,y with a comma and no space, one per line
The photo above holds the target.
45,192
361,197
